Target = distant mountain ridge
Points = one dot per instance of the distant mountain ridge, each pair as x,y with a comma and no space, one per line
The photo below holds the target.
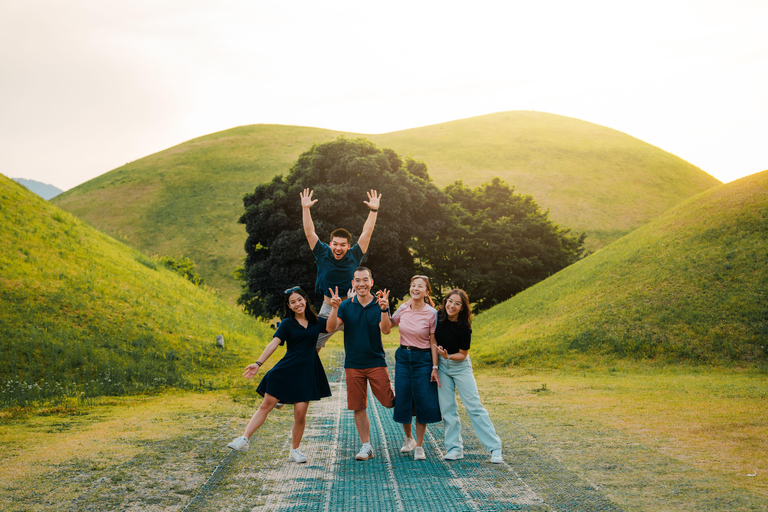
186,200
44,190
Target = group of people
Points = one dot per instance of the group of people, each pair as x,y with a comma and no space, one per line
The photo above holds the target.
431,364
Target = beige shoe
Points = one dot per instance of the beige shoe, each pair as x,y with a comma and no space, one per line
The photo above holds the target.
408,445
418,453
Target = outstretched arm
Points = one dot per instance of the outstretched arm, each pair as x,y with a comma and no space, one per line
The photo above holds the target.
374,199
253,369
306,217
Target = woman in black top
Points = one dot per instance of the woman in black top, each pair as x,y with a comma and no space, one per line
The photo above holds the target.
453,335
297,378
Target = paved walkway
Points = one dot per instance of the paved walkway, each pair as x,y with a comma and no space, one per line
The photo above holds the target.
333,480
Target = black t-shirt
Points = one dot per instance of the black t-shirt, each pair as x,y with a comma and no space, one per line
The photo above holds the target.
452,336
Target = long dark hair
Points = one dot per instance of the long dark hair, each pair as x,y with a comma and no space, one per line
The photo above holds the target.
309,311
465,315
427,299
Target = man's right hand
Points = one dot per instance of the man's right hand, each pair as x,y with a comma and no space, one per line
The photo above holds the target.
306,198
335,299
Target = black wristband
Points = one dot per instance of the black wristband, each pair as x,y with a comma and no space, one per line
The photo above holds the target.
373,209
259,363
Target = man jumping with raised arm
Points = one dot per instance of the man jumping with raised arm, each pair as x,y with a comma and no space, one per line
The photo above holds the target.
336,263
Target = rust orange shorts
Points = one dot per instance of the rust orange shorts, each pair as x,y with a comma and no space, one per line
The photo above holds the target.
357,387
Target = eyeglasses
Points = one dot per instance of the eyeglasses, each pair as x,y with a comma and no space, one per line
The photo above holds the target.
420,277
291,290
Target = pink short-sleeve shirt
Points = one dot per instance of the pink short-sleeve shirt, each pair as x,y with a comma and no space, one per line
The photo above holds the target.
415,326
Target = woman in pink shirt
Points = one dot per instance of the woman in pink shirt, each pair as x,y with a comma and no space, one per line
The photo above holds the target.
416,378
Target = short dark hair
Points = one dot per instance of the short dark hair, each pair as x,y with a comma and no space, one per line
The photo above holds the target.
363,269
342,233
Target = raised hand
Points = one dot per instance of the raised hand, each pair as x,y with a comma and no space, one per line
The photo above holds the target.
306,198
382,297
335,299
374,199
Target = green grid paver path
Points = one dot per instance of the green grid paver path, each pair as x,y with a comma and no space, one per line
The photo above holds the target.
333,480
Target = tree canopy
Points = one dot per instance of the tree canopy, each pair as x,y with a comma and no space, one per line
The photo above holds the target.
488,240
494,243
340,172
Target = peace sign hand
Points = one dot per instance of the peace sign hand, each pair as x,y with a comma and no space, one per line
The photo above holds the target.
335,299
382,297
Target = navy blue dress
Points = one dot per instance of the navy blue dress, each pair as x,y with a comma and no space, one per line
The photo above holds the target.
299,376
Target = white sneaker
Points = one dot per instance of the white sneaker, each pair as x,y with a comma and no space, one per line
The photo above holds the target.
408,445
365,453
496,456
296,456
454,454
279,405
240,444
418,453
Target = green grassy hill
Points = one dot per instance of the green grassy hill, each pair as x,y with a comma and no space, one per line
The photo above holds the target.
692,285
185,201
82,314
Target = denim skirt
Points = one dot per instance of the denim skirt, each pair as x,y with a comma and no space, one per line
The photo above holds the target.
414,394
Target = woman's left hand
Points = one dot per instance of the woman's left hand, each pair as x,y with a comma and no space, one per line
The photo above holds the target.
434,377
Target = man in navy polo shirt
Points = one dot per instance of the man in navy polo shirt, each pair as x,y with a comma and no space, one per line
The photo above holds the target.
336,262
364,317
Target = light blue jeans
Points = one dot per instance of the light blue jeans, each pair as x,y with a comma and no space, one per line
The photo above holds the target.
458,375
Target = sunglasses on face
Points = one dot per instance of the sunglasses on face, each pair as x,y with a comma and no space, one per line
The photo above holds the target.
292,290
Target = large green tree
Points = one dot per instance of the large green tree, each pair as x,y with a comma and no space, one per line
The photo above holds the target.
494,243
340,173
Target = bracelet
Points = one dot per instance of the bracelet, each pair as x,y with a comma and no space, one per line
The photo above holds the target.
374,210
434,367
259,363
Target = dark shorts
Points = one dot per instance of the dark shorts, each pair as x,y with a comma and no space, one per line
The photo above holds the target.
357,387
414,394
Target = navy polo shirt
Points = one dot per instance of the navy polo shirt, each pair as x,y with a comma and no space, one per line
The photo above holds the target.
362,336
332,272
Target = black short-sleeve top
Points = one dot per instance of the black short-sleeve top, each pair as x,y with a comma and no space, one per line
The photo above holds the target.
453,336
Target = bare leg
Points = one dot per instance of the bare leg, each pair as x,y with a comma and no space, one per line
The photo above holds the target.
408,430
260,416
363,425
421,429
299,421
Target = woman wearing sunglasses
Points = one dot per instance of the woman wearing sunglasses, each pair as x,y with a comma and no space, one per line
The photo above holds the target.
453,335
416,377
297,378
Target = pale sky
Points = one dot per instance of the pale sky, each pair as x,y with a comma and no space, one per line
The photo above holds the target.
88,85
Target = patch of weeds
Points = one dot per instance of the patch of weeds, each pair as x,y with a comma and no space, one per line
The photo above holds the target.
62,410
10,414
542,389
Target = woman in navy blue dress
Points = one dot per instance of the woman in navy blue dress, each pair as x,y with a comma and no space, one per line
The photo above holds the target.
297,378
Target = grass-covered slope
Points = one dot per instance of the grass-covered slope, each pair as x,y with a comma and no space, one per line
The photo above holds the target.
83,313
591,178
185,201
692,285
